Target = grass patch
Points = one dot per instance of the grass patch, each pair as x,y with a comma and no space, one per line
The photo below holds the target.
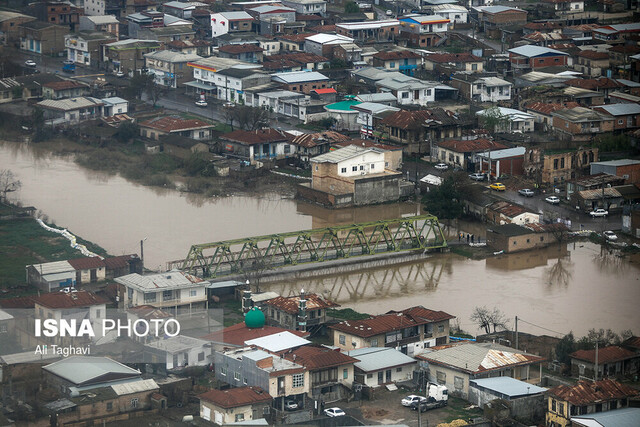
222,127
347,314
456,410
462,251
232,305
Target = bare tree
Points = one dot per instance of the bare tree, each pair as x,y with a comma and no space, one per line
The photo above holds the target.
8,183
489,319
155,91
250,118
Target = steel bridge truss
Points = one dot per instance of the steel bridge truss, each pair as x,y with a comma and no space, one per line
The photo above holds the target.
228,257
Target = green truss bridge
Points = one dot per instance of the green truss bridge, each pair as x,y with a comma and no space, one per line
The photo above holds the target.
252,254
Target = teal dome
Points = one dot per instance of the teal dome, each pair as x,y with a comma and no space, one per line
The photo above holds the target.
254,318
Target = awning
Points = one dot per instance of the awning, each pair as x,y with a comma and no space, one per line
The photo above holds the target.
199,85
225,284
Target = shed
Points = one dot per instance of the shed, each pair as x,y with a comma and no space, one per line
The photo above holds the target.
527,400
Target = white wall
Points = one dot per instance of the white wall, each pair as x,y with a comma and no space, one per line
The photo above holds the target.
369,162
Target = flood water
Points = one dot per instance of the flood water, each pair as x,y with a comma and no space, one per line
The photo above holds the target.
573,287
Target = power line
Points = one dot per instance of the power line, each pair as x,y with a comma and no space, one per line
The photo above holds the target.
541,327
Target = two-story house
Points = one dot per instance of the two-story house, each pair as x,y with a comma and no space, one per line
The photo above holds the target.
104,23
610,362
424,30
230,22
557,166
246,52
408,90
451,62
128,55
42,37
625,116
302,81
231,83
580,123
174,290
367,31
301,312
85,48
463,153
491,89
377,366
259,145
567,7
592,63
411,330
307,7
405,61
510,120
530,57
169,68
234,405
65,89
175,125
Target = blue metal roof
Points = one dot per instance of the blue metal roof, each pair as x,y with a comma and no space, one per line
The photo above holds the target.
626,417
508,386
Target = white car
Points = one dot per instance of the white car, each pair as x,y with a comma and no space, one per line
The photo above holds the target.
290,405
441,166
30,63
599,213
610,235
201,103
477,176
526,192
334,412
407,401
389,12
120,74
552,199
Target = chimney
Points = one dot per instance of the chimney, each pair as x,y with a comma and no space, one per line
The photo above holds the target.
302,312
265,363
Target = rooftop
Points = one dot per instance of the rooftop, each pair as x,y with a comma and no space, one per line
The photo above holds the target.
84,370
343,106
291,304
60,300
589,392
161,281
170,124
177,344
608,354
238,334
468,146
548,108
278,342
625,417
578,114
616,163
341,154
172,56
318,357
240,48
620,109
70,104
236,397
396,55
531,51
373,359
275,368
299,77
504,154
508,386
452,57
258,136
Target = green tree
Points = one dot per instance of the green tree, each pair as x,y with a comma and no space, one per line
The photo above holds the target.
493,120
565,347
126,132
351,7
138,84
444,201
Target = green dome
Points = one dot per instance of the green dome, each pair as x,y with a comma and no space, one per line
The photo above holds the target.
254,318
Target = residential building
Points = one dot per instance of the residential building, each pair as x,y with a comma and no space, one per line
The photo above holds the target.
617,417
178,352
370,112
379,366
235,405
530,57
94,8
259,145
273,19
230,22
243,52
612,362
626,168
281,378
175,125
173,289
167,34
295,61
410,330
499,162
384,30
463,153
144,19
240,333
56,12
345,118
424,30
542,112
65,89
603,85
554,167
100,22
452,62
497,17
513,121
526,401
128,55
615,34
592,63
85,48
581,123
586,397
198,47
307,7
515,238
625,116
567,7
409,90
457,365
392,153
114,105
404,61
503,212
10,26
301,81
206,79
491,89
169,68
407,128
455,13
71,111
313,144
324,44
292,313
179,9
42,37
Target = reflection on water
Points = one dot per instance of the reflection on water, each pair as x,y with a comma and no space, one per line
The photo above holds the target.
527,259
560,273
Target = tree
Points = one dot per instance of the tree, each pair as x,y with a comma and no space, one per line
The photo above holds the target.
126,132
154,91
250,118
493,120
444,201
565,347
8,183
138,84
489,319
351,7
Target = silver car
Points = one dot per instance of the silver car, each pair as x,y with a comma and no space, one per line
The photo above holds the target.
526,192
477,176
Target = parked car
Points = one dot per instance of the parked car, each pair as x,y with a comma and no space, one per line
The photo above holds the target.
599,213
290,405
119,74
498,186
610,235
409,400
201,103
477,176
441,166
229,105
427,405
389,12
526,192
334,412
552,199
30,63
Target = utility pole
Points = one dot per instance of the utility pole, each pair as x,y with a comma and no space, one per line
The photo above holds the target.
516,332
595,368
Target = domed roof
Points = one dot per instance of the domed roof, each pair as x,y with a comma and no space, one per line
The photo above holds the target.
254,318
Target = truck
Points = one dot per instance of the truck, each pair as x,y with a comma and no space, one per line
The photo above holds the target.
68,67
437,397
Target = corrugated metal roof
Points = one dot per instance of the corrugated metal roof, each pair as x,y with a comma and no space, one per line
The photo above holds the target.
163,281
342,154
299,76
177,344
82,369
623,162
598,193
278,342
134,387
625,417
501,154
376,358
508,386
620,109
70,103
589,392
53,267
26,357
531,51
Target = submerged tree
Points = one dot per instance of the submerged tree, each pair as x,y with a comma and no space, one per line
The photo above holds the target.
8,183
489,319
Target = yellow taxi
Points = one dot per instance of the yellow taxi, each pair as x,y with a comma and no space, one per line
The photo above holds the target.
497,186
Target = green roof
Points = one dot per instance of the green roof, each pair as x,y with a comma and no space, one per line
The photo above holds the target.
342,105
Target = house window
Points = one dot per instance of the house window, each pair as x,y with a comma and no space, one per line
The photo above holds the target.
236,376
553,405
193,293
555,163
287,149
405,95
620,121
562,163
441,377
223,371
528,241
298,380
201,356
345,374
361,167
458,383
561,408
167,295
474,67
399,369
440,328
369,375
134,402
373,166
109,406
342,339
343,170
541,238
150,297
374,342
392,65
515,243
239,417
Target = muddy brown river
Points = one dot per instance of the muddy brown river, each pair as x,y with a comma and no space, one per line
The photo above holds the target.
573,287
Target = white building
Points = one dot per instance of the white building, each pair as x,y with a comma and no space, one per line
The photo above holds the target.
382,365
71,110
180,351
491,89
514,121
94,7
317,42
169,68
85,47
173,289
350,162
409,90
452,12
366,112
232,82
114,105
307,7
225,22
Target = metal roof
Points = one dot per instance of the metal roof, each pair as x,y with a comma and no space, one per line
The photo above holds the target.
113,100
329,39
620,109
512,114
102,19
5,316
343,106
26,357
376,358
502,154
342,154
171,56
496,9
508,386
616,163
374,107
263,296
495,81
376,97
178,344
53,267
531,51
173,279
625,417
82,369
299,77
366,25
70,104
278,342
234,16
134,387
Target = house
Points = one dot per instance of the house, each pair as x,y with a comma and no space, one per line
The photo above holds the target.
295,61
567,7
345,118
100,22
491,89
77,374
323,44
626,168
173,289
370,114
584,97
462,153
616,34
586,397
513,121
85,48
307,7
369,31
542,112
56,12
500,162
259,145
139,21
612,362
410,330
498,17
237,335
592,63
610,418
349,53
71,111
65,89
10,25
205,74
503,212
294,42
404,127
178,352
404,61
531,57
408,90
552,40
301,81
527,401
603,85
279,343
331,371
247,52
378,366
515,238
456,366
230,22
234,405
455,13
392,153
625,116
608,198
42,37
557,166
303,312
424,30
128,55
183,147
202,48
170,33
581,123
452,62
347,175
114,105
169,68
174,125
281,378
180,9
273,19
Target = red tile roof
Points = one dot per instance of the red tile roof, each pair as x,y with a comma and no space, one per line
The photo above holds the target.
391,321
118,262
510,210
316,357
548,108
69,300
87,263
542,26
592,54
236,397
291,304
453,57
280,65
305,17
609,354
238,334
240,48
325,29
17,302
308,140
259,136
594,84
405,119
589,392
324,91
471,146
64,84
174,124
395,55
626,49
299,57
